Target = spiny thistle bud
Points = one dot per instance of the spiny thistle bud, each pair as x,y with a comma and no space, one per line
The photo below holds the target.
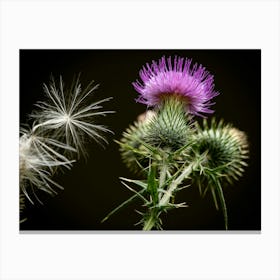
225,148
131,147
222,150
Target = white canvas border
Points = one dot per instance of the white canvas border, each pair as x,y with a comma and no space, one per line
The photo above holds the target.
139,24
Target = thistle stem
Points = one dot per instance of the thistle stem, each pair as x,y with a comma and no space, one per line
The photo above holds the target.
166,197
152,219
150,222
162,177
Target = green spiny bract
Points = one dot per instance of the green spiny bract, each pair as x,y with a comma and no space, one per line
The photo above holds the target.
169,129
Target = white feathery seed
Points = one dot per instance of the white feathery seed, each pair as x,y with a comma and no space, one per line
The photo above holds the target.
38,159
68,113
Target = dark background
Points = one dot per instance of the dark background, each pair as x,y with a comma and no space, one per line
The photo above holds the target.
92,188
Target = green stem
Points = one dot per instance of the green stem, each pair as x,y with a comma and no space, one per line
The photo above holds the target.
166,197
149,224
162,177
223,203
151,221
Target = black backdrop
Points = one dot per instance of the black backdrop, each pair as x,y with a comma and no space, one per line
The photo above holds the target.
92,188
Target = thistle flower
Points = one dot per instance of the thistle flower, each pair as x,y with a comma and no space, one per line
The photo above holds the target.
68,115
167,146
193,84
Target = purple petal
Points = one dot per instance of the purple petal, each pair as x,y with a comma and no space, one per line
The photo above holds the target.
160,78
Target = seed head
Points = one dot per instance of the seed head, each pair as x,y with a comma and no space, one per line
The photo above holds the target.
69,115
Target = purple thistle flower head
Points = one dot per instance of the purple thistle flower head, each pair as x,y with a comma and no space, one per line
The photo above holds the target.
193,84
